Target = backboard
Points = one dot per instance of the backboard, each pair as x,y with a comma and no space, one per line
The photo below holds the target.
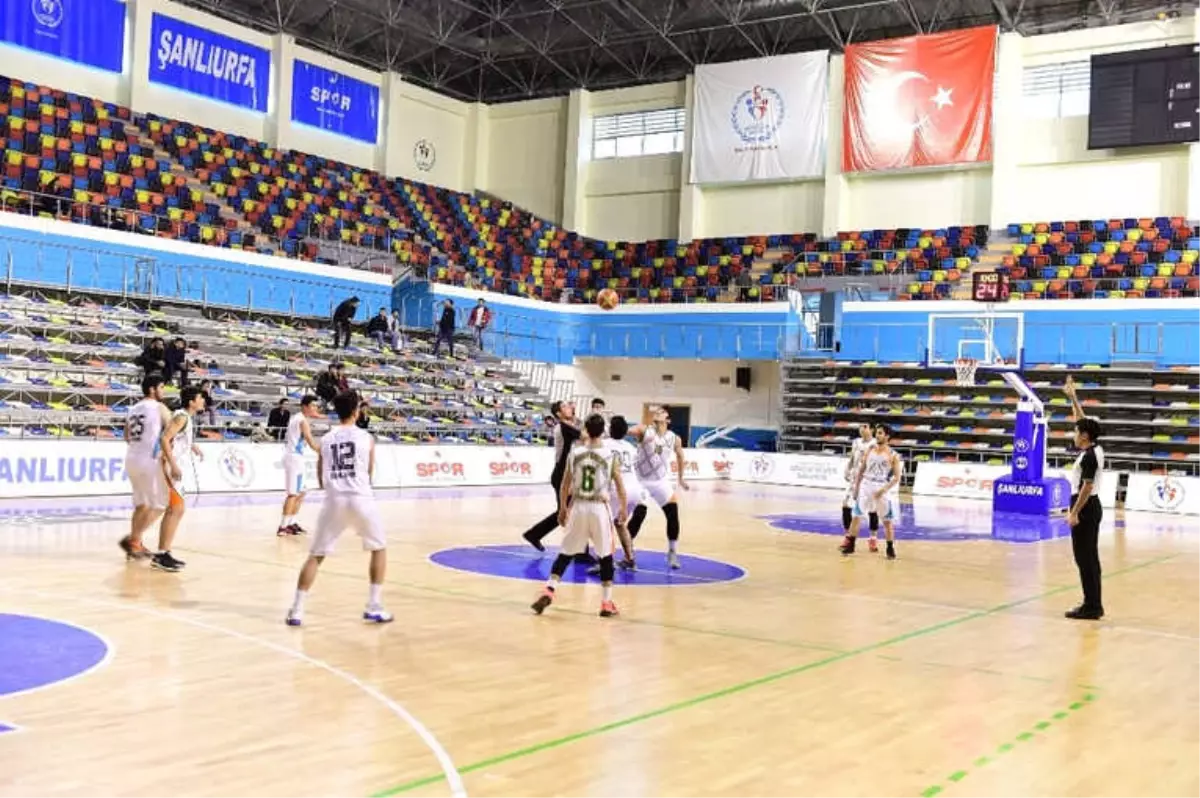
995,340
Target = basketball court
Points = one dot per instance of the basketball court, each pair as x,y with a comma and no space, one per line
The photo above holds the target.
769,665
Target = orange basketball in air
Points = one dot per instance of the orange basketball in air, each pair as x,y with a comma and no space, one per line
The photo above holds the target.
608,299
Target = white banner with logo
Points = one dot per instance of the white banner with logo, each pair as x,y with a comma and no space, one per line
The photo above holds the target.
974,481
762,119
1159,493
801,470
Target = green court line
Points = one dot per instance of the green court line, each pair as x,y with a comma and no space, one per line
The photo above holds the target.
748,685
1023,737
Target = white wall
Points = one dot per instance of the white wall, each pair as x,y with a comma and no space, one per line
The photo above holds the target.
762,209
22,64
697,384
526,146
925,198
632,199
416,114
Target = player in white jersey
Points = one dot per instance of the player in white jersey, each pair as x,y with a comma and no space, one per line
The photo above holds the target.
178,444
864,442
877,490
297,441
634,507
592,469
143,438
658,447
345,468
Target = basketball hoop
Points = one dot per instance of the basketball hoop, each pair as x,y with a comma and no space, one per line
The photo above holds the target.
964,371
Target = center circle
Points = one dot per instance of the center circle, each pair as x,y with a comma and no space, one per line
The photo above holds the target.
522,562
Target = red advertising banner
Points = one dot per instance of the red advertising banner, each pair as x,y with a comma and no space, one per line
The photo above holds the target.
919,101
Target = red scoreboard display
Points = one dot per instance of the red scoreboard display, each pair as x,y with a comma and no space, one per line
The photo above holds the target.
989,287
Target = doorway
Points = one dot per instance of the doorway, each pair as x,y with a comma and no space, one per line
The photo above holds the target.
681,419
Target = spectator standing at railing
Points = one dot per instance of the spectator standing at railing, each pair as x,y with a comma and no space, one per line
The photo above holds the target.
478,321
278,419
209,413
343,315
445,328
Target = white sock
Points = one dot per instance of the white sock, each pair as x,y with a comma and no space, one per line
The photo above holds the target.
551,583
298,602
374,595
606,592
283,520
671,545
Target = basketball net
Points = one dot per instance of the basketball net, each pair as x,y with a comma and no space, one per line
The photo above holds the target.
964,370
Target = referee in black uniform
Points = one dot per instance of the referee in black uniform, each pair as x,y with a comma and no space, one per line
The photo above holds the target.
566,433
1086,512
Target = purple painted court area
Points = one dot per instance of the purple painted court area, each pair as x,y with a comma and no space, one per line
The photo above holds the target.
522,562
940,522
36,652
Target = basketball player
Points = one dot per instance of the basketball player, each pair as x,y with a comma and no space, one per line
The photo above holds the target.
143,439
877,490
865,440
296,441
566,433
656,445
591,470
345,468
1086,512
634,507
178,444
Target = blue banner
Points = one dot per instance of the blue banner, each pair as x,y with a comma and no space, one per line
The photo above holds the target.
89,32
334,102
209,64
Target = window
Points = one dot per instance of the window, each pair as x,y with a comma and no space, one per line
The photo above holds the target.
637,133
1051,91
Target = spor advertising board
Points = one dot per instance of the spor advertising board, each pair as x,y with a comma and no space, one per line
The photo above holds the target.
331,101
1162,493
88,32
208,64
97,468
974,481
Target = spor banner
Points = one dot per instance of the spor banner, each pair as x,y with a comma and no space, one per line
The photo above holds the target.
209,64
975,480
1162,493
919,101
762,119
88,32
331,101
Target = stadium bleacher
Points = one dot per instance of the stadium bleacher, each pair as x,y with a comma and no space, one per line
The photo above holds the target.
67,370
1105,258
936,420
93,162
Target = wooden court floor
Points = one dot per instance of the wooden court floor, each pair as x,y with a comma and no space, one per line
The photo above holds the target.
948,672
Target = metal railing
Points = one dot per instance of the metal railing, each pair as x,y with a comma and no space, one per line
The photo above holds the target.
35,203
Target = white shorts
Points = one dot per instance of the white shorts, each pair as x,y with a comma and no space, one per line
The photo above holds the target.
659,492
340,512
589,522
293,474
148,482
633,497
887,507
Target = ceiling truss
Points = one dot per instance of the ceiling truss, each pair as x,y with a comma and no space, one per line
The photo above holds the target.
504,50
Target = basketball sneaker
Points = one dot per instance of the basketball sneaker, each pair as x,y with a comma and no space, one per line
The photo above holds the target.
673,561
627,565
296,529
847,546
163,561
608,609
543,601
295,618
873,546
133,551
891,551
377,614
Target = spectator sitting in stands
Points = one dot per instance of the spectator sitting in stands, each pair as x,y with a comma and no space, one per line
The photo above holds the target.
364,419
153,358
395,332
377,327
278,419
175,359
209,411
328,383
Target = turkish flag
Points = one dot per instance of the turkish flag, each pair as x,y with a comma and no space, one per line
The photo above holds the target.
919,101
